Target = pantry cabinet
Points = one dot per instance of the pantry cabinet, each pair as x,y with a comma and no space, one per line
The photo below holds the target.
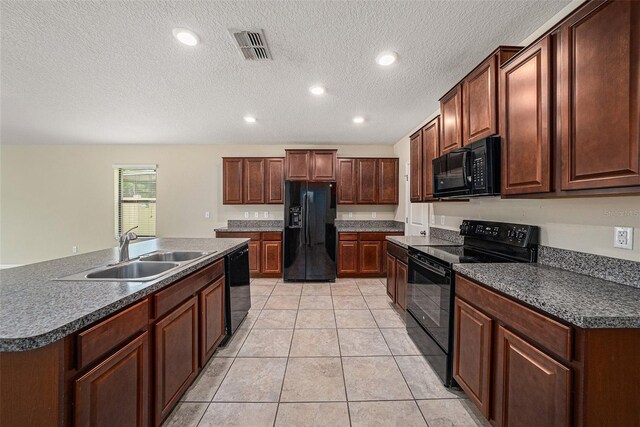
599,96
252,180
525,120
368,181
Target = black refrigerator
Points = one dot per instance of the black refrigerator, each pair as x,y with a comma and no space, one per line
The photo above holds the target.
309,231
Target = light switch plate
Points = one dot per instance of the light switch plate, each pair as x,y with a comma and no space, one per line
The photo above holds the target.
623,238
246,214
256,215
350,214
373,215
74,249
442,219
433,219
265,214
207,215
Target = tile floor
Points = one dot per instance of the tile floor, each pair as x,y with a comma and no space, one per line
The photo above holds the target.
321,355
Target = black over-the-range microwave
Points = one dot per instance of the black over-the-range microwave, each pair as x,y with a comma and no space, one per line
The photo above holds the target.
471,171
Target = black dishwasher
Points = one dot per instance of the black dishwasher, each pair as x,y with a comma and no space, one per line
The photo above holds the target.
237,290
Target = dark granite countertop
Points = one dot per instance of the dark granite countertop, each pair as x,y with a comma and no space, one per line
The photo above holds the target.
584,301
406,241
371,226
249,229
36,310
252,226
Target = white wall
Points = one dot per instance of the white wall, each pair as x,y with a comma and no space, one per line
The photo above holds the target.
53,197
583,224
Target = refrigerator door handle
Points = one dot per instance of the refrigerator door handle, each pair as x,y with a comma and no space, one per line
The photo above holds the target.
307,235
304,218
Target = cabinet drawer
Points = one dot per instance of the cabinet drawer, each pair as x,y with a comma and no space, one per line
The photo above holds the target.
272,235
398,252
373,236
552,335
100,339
348,236
237,235
167,299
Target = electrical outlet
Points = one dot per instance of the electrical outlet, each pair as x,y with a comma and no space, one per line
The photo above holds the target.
246,214
350,214
442,220
373,215
74,249
207,214
433,219
256,215
623,238
266,214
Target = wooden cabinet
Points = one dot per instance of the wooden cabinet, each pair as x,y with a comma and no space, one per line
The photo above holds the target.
391,276
232,181
531,389
176,356
310,165
370,257
388,179
424,146
472,353
397,274
402,282
367,172
347,257
525,110
347,182
451,116
254,257
265,259
416,166
116,391
363,254
252,180
272,257
211,303
274,181
599,70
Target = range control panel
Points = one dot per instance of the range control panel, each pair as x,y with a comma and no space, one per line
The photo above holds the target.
502,232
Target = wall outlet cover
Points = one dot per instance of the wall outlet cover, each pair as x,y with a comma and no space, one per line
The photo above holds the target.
265,214
433,219
623,238
246,214
350,214
373,214
442,219
256,215
74,249
207,215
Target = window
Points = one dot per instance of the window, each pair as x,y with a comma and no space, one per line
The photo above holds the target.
135,199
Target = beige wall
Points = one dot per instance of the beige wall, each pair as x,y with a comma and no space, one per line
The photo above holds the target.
53,197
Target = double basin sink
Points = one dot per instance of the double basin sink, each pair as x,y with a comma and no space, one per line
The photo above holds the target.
147,267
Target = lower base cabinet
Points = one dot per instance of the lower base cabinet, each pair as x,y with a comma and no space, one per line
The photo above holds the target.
176,356
362,254
265,251
397,275
211,300
391,277
116,391
402,282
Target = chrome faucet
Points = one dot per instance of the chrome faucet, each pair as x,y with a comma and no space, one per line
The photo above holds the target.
124,240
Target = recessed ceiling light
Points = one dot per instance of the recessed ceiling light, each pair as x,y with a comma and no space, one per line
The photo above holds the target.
249,119
387,58
358,120
317,90
185,36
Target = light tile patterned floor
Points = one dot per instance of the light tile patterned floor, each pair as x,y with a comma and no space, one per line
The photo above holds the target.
321,355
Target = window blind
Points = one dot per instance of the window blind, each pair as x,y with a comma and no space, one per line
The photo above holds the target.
135,200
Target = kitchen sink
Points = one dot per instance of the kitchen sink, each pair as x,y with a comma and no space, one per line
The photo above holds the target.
176,256
136,270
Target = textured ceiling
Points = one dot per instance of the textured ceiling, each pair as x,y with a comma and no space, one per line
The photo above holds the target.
111,72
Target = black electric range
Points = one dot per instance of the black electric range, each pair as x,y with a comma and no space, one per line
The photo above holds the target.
432,282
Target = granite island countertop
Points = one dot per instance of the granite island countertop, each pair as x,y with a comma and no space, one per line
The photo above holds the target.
36,309
406,241
583,301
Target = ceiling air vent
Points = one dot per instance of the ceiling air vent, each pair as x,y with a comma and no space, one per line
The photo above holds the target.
252,44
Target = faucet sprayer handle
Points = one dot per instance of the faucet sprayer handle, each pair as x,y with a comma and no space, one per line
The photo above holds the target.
129,234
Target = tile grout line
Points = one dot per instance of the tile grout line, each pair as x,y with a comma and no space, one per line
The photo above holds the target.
344,381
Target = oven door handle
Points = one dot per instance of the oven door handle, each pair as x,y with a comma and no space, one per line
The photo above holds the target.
433,268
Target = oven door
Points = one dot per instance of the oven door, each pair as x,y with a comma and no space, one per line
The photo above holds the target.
452,174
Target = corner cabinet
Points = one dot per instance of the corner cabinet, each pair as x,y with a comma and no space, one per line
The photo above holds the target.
525,120
252,180
599,69
310,165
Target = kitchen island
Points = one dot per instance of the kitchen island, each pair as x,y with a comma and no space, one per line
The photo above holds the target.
122,352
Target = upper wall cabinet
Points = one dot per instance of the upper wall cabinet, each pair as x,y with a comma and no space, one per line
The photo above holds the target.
525,109
424,146
480,96
368,181
451,114
599,69
310,165
252,180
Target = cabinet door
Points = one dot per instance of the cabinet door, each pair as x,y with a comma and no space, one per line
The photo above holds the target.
430,149
391,277
600,96
347,181
232,181
272,257
297,165
254,257
176,356
116,391
323,165
480,106
388,181
524,121
274,188
472,353
451,114
347,257
370,258
367,181
531,388
253,181
402,281
211,319
415,167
